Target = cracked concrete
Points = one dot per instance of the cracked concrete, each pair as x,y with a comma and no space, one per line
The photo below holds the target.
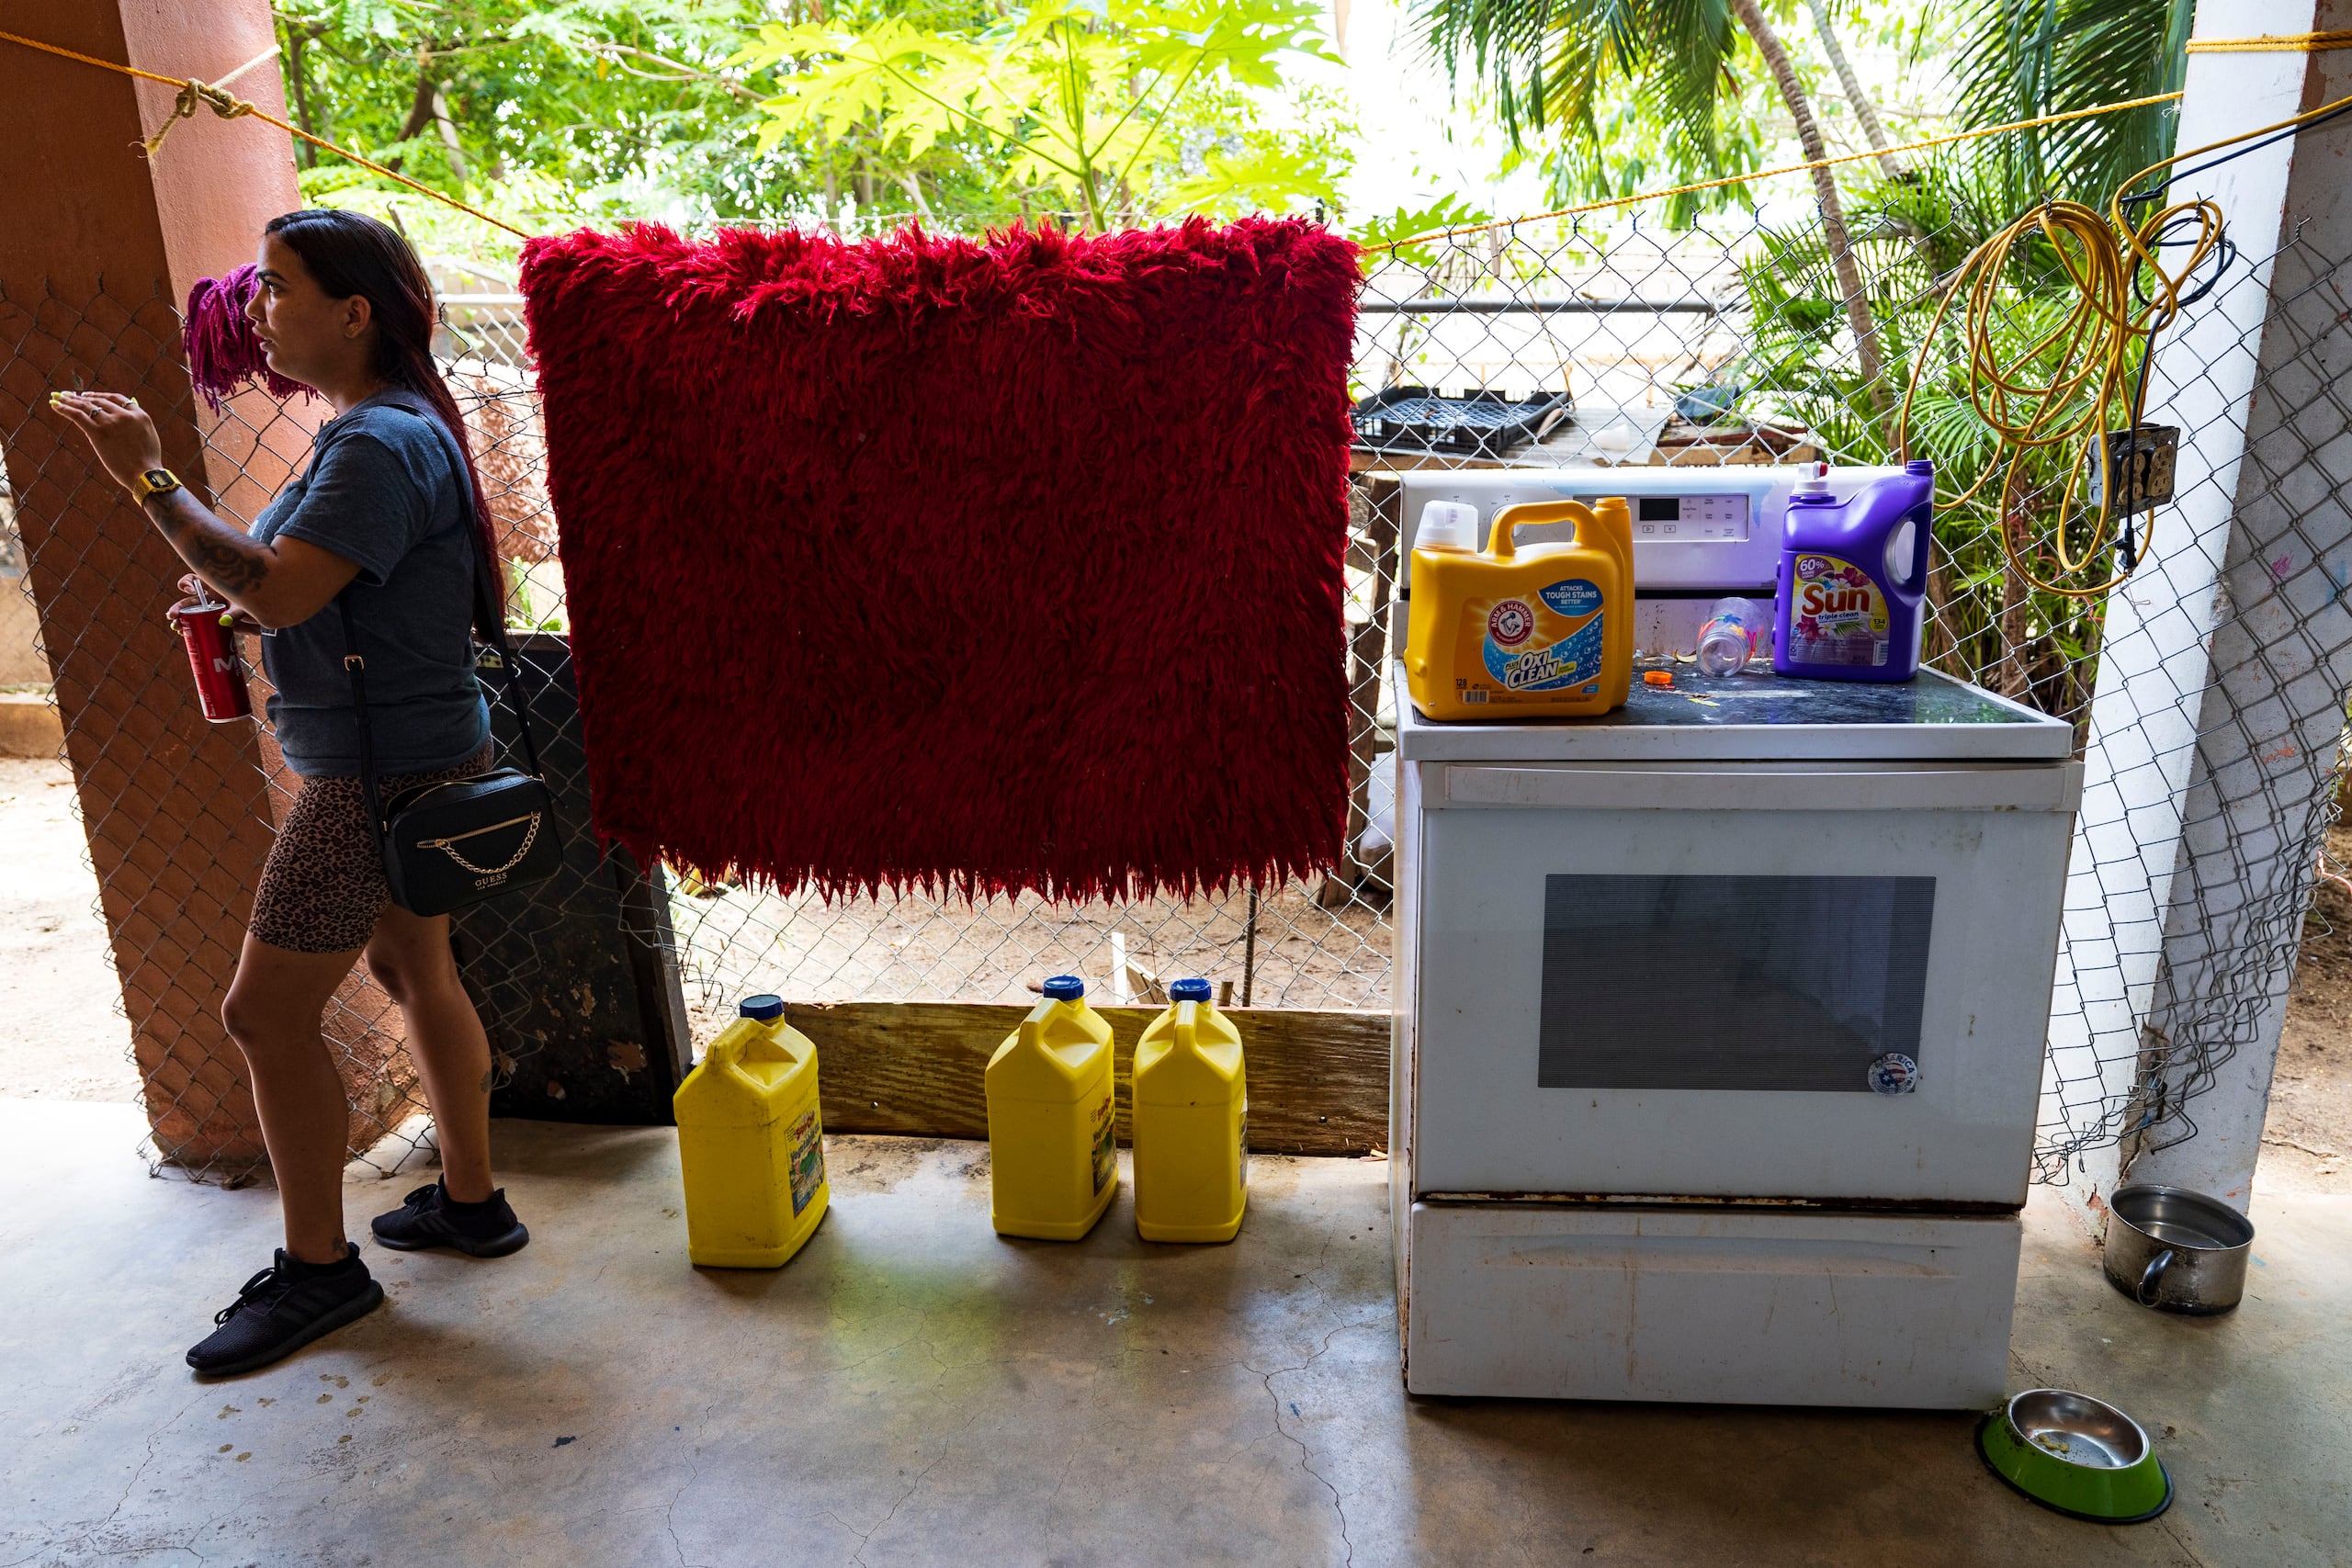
912,1390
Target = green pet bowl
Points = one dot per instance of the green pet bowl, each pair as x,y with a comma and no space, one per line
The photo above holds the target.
2076,1455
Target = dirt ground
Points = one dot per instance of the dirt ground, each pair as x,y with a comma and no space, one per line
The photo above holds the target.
62,1038
2307,1139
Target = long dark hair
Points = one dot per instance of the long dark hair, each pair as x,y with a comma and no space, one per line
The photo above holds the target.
351,254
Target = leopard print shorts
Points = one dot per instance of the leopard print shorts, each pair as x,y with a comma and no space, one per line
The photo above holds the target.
323,888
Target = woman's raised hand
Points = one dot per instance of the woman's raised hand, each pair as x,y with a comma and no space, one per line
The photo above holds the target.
120,432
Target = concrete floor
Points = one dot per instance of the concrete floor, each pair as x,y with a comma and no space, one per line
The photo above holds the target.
912,1388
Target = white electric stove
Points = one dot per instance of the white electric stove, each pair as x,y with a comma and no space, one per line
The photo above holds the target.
1719,1038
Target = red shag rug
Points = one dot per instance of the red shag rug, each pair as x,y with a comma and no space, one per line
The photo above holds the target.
994,566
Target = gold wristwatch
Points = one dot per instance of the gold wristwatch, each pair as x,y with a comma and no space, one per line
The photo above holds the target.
154,481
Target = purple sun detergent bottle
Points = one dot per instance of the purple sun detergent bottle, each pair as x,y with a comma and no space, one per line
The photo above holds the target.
1853,597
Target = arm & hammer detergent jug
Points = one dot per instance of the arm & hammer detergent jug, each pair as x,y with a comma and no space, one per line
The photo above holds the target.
1505,634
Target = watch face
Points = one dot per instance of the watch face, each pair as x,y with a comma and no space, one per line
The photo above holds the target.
160,479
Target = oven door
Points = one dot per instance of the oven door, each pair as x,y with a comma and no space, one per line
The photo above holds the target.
1791,980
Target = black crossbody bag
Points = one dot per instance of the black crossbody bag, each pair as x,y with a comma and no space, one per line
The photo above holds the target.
455,843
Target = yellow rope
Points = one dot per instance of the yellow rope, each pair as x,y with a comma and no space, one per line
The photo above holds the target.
192,91
2069,409
2273,44
212,92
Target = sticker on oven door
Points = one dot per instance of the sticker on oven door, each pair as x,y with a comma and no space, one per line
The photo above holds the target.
1894,1073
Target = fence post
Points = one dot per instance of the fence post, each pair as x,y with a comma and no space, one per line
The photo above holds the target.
178,812
2225,661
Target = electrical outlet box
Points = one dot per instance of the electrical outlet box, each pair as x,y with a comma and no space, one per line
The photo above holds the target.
2143,460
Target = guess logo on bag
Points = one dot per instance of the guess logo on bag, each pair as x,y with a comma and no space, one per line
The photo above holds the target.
491,881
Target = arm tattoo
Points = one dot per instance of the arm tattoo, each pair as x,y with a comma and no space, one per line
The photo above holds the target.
226,557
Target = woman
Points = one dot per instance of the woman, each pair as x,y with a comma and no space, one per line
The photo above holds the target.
389,517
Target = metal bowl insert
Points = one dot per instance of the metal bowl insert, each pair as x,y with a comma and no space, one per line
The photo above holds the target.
2076,1455
2178,1217
2077,1428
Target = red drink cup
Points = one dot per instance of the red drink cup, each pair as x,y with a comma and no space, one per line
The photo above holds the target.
213,654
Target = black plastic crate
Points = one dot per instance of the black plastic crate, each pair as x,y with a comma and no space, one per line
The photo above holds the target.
1481,424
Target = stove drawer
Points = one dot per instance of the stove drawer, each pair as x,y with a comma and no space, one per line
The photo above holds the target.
1595,1302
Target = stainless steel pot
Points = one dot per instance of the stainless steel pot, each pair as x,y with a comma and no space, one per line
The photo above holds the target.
2176,1250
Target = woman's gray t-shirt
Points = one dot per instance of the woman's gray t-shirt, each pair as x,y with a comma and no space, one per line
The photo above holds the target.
384,490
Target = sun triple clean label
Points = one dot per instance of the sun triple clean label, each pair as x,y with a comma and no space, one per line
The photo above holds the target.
1839,616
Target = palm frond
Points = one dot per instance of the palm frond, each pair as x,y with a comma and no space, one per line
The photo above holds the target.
2027,58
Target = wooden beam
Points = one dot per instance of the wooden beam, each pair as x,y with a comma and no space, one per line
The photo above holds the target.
1319,1081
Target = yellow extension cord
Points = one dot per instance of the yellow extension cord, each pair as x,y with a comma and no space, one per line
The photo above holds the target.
2096,373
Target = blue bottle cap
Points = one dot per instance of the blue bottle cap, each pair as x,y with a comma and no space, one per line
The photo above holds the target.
1065,989
1918,466
1193,990
763,1007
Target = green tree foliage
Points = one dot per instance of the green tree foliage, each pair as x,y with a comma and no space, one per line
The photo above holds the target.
1116,108
2029,58
1391,234
589,102
1618,93
562,111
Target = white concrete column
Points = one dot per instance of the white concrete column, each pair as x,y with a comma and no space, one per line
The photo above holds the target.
2222,683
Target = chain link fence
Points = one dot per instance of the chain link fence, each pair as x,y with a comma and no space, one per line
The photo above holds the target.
1730,343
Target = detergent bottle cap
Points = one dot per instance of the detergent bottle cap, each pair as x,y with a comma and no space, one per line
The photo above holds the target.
763,1007
1448,526
1189,990
1064,989
1813,488
1918,466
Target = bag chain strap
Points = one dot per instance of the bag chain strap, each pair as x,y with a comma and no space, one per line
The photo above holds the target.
447,846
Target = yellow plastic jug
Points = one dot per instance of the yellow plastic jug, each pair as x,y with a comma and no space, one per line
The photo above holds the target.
1506,633
1053,1167
751,1143
1191,1122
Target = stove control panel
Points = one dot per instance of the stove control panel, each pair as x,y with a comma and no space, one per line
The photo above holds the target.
1689,519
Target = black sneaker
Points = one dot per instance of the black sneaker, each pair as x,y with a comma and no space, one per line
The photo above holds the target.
429,1217
283,1308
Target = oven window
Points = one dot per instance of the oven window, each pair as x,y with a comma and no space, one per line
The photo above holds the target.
1731,982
